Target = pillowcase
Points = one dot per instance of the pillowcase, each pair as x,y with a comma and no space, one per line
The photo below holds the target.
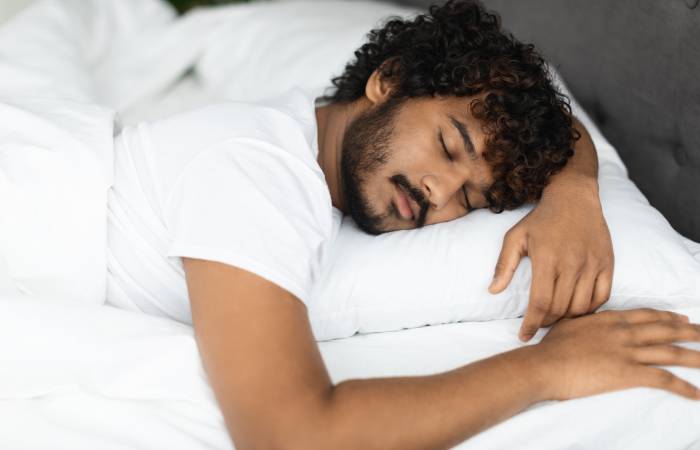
258,52
440,273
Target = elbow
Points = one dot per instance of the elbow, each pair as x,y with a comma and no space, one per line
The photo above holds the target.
302,427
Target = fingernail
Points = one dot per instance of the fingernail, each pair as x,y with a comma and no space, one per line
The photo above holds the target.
525,337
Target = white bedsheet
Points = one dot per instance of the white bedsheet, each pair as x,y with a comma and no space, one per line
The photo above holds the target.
94,377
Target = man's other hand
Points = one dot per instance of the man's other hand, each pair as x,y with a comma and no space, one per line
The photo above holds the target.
569,245
626,352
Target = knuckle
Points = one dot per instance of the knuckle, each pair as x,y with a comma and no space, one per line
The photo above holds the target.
593,263
611,316
558,310
593,308
577,311
665,378
690,332
675,329
570,264
510,235
540,306
675,352
625,331
622,316
550,320
602,299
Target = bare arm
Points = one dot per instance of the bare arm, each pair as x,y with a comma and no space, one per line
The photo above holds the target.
275,392
582,167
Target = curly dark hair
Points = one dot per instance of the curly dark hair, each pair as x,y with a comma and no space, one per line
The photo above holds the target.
460,49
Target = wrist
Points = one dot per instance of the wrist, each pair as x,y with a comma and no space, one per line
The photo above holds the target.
577,186
539,374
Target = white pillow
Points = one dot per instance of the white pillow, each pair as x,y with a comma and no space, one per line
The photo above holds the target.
440,273
263,49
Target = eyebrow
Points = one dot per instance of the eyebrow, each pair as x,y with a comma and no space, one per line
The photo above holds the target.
468,144
471,151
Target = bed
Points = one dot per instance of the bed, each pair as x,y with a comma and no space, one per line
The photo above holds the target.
78,374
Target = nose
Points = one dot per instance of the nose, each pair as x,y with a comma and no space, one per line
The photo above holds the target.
441,190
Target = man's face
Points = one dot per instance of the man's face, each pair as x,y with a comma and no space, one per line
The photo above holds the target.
396,173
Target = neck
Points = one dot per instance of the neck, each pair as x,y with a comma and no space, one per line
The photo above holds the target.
333,120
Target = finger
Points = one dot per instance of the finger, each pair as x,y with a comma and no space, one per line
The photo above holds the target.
583,295
654,377
650,315
667,355
540,299
601,292
511,253
665,332
563,292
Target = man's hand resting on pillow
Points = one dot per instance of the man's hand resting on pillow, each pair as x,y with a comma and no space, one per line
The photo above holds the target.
568,242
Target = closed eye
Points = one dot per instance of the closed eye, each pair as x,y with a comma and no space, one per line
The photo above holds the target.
444,147
449,157
466,198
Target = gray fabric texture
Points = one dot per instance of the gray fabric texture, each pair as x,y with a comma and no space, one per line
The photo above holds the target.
634,65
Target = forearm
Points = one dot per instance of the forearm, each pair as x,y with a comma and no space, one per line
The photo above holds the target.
581,170
268,375
429,412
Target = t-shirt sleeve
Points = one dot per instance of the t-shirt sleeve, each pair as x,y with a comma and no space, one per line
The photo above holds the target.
250,204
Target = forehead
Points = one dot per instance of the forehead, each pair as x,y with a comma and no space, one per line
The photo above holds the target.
440,107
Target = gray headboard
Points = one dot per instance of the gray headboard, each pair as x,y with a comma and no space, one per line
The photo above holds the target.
634,65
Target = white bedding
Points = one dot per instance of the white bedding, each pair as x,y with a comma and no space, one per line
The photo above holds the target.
79,376
89,377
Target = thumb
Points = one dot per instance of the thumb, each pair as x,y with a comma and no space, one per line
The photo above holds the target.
511,253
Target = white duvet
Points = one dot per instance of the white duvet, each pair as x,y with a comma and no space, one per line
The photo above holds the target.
75,374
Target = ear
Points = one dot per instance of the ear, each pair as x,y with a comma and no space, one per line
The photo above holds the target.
379,85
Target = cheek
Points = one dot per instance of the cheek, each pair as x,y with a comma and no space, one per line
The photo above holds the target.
379,189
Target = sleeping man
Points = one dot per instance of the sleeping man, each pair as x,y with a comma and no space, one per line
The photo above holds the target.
234,204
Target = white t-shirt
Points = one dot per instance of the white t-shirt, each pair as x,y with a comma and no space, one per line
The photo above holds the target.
232,182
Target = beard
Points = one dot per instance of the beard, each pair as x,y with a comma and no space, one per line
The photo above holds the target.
365,150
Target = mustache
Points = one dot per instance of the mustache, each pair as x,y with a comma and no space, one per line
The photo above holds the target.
416,194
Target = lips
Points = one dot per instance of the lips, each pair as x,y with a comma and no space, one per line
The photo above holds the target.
405,204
